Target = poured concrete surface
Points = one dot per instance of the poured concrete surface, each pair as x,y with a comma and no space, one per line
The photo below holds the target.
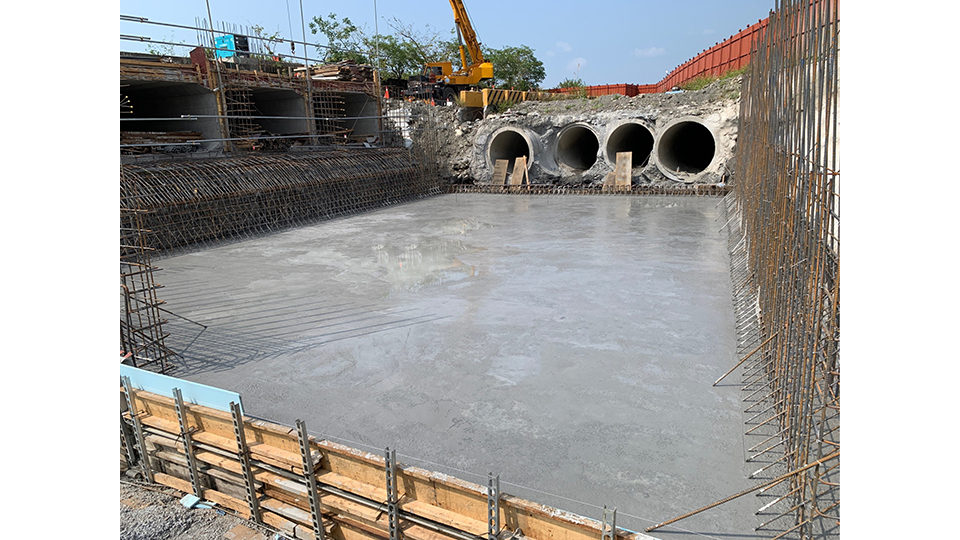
567,343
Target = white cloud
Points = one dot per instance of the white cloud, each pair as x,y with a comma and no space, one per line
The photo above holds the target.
549,54
577,64
649,52
707,32
564,46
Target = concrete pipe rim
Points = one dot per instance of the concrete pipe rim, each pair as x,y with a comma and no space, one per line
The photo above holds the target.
647,136
577,147
685,148
507,143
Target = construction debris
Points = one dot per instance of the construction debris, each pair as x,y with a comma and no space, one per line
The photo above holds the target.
346,70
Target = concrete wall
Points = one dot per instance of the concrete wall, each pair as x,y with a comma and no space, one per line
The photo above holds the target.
152,99
356,105
269,102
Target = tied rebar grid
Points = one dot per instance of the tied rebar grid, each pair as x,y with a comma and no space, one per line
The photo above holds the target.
555,189
327,106
141,326
786,259
215,199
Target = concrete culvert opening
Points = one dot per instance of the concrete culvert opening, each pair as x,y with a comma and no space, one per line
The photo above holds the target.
630,138
577,147
509,145
686,147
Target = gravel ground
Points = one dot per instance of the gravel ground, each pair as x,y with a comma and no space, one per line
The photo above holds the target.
155,513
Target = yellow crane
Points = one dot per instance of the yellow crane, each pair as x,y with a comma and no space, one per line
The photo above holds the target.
438,80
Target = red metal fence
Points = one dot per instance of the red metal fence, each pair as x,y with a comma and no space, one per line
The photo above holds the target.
732,53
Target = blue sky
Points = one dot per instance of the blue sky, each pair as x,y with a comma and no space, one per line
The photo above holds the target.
604,42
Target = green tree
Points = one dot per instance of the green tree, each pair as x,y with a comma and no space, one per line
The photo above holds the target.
571,83
345,40
269,42
515,67
429,43
399,54
399,58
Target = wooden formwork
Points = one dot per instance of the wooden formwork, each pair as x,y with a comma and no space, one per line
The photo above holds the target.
352,484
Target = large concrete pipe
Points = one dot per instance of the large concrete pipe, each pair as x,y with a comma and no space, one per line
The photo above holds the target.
577,147
686,146
630,137
509,144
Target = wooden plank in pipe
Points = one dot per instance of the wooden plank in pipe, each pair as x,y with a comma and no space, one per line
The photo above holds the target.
519,172
500,171
624,170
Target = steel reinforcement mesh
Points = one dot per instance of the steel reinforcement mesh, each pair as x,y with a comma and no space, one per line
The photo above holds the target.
786,261
189,201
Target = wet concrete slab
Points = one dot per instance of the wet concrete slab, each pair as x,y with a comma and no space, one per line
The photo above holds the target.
567,343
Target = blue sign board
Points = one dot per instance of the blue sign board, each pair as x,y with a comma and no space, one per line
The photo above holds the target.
225,42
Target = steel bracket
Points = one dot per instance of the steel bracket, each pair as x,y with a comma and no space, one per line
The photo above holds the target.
185,432
244,454
138,429
311,479
393,507
493,506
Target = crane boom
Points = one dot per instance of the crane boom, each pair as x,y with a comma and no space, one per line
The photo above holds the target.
438,81
469,35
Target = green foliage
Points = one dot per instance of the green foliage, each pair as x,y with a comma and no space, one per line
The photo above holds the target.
504,105
429,43
405,51
735,72
698,83
515,67
269,41
702,81
577,83
345,41
399,58
163,49
571,83
399,55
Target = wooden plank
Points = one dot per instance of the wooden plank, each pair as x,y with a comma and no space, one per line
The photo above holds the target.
446,517
220,423
354,530
262,438
624,170
376,493
520,172
609,182
434,496
278,522
500,171
173,482
233,503
222,499
288,511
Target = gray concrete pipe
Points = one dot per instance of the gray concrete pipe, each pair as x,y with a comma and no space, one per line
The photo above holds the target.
685,148
630,137
577,147
510,143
